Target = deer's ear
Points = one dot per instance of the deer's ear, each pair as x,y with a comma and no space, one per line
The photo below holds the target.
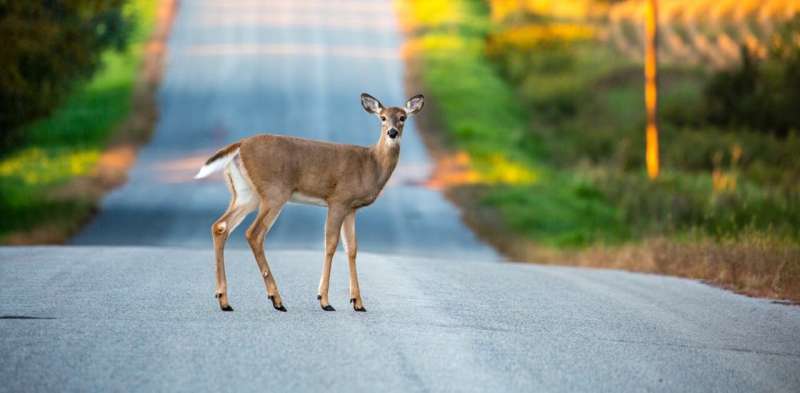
414,104
370,103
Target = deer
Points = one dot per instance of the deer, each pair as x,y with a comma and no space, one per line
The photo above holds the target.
267,171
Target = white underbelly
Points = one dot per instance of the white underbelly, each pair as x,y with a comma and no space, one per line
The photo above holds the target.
307,200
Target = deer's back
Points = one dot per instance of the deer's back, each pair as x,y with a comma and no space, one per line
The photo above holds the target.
277,163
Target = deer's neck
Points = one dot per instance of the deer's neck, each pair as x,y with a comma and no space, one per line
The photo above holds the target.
386,156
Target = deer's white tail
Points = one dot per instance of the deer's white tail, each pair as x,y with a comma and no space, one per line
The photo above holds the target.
219,160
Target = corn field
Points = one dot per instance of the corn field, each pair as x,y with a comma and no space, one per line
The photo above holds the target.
701,31
695,32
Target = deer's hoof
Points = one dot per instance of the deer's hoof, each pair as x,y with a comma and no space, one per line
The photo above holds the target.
357,308
278,307
326,307
226,307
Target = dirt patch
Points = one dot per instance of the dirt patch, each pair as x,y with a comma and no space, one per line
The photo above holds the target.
120,155
755,266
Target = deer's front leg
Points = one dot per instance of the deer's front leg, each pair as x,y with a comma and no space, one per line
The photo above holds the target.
333,224
351,246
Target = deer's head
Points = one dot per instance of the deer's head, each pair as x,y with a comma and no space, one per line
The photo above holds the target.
393,119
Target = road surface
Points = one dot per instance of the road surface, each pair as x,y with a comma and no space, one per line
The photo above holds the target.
144,319
239,68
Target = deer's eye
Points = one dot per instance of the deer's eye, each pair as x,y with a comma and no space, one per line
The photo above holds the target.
402,118
383,118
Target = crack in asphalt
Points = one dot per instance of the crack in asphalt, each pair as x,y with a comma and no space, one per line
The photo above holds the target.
697,347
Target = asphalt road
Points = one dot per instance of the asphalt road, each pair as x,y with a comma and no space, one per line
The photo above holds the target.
144,319
239,68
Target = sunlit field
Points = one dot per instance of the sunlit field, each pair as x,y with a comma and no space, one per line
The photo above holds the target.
707,33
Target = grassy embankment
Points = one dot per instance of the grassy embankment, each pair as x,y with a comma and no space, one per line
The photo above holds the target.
553,134
36,204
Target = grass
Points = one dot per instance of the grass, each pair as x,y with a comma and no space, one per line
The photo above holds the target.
485,118
559,104
68,144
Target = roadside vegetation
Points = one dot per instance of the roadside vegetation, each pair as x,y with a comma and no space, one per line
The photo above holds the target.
62,106
551,93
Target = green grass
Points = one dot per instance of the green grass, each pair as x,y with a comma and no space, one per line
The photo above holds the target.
68,143
600,134
561,211
485,118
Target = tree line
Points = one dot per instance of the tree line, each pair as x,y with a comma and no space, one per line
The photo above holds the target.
49,46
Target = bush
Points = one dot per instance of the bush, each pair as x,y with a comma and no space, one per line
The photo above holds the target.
760,94
49,45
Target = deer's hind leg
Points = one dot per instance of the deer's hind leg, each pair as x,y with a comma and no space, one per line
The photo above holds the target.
270,209
242,203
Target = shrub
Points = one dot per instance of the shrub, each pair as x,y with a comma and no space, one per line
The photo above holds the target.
760,94
48,45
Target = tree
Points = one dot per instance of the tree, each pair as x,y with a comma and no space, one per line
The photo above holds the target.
47,46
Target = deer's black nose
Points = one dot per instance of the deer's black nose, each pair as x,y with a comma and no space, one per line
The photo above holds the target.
393,133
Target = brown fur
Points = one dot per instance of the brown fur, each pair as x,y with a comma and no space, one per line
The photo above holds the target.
223,152
277,164
279,168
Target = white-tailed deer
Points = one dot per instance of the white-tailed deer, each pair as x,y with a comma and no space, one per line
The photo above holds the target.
266,171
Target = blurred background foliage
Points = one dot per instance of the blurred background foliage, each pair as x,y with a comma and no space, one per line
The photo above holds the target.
759,93
557,86
48,46
67,75
729,127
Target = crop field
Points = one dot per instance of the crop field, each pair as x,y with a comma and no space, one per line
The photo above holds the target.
701,32
692,32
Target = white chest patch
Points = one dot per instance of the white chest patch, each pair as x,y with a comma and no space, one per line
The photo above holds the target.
307,200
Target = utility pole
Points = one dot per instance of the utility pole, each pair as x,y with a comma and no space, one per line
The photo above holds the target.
651,86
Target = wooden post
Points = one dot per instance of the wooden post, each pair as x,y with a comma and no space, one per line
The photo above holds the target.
651,86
